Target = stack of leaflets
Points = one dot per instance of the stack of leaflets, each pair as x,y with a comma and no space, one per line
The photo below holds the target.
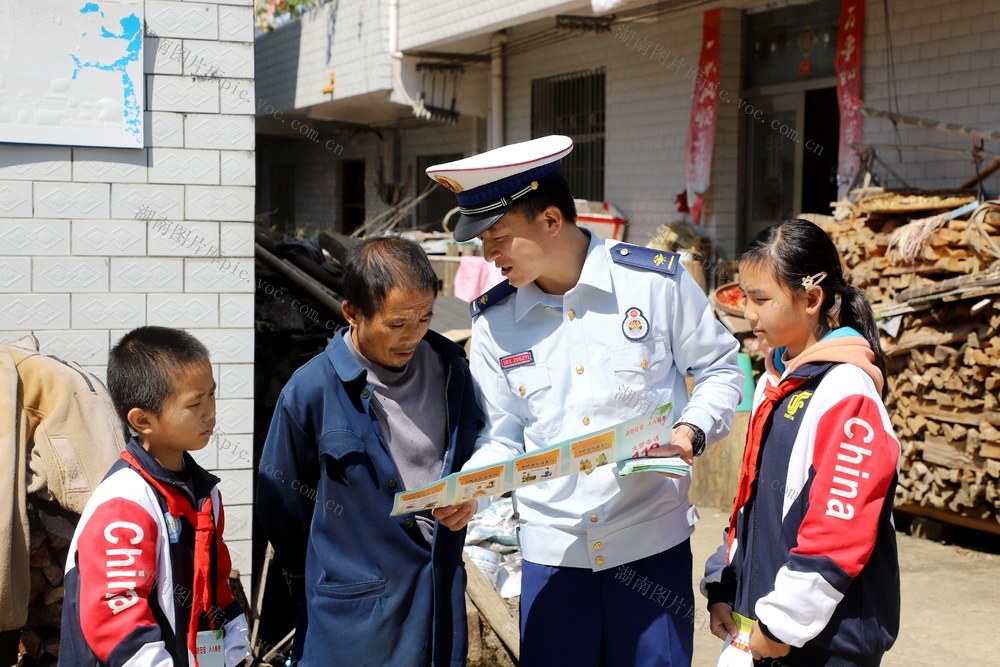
674,466
631,439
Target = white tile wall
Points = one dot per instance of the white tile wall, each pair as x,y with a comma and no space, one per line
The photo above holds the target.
34,236
120,311
70,274
83,347
184,239
109,164
15,274
89,236
15,199
227,346
33,312
37,163
134,274
183,165
238,168
182,93
219,203
188,20
109,237
236,24
183,311
223,132
219,275
72,200
165,129
235,380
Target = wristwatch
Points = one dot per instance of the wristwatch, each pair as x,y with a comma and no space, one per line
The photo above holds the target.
699,437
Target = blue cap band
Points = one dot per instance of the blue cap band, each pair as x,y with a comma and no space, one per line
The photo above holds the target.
500,193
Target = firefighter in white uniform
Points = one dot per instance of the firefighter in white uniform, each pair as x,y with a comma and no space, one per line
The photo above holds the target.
585,334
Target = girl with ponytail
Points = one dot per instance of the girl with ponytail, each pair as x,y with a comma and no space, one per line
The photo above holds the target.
809,561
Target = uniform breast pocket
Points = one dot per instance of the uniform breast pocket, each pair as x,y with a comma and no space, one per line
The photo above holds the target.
533,386
642,376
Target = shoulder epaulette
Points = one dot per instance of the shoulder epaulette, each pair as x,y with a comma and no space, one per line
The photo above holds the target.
652,259
491,297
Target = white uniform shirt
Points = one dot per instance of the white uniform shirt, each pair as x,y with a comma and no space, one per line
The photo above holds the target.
587,374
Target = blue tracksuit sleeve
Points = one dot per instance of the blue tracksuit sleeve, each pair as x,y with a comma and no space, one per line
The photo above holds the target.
288,466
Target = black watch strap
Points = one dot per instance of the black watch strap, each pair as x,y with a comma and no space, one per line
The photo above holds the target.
699,438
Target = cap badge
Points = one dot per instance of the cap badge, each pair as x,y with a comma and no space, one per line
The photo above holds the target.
635,326
448,183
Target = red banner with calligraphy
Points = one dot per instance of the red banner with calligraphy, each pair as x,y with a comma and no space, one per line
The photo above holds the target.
704,112
850,36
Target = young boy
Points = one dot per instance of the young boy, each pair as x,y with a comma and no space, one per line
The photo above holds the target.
147,574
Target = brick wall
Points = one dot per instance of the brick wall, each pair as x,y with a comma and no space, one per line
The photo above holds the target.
648,104
947,61
96,241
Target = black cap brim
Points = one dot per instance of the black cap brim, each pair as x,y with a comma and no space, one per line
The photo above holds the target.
471,226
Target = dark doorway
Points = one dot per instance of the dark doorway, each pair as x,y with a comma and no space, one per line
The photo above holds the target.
431,211
282,204
819,159
352,207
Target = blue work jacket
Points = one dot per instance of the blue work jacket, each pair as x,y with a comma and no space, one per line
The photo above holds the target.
375,592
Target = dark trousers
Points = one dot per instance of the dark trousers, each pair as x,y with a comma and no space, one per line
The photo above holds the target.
635,615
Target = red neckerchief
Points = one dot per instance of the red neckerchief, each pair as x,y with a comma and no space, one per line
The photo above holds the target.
203,522
751,451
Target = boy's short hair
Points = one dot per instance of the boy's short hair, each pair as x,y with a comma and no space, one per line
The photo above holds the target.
143,367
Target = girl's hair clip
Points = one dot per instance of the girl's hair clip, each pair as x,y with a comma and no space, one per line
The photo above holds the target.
808,282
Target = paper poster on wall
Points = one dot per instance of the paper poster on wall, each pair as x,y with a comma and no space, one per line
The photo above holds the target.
71,72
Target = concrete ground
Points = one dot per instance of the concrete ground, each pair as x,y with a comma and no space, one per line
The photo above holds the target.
950,597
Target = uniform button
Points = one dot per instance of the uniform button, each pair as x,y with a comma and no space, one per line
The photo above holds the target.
599,560
365,394
597,546
408,522
520,390
586,421
593,517
623,251
579,370
571,314
392,482
644,364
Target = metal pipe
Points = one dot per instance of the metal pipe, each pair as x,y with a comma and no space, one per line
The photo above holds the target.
497,119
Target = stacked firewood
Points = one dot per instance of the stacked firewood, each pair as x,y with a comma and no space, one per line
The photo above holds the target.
40,635
930,264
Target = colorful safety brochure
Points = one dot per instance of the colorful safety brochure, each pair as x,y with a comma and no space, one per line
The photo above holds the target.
630,439
669,465
736,652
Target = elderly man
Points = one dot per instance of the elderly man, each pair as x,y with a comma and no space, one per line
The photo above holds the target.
389,405
582,335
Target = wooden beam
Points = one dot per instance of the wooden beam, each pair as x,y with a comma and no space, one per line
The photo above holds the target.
951,517
931,124
492,607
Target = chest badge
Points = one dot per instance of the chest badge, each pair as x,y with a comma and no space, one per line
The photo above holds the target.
173,527
797,403
515,360
635,326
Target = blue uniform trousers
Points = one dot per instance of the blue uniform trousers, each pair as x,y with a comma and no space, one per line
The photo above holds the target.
635,615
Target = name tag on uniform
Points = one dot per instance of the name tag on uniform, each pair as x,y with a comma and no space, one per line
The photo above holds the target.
209,649
515,360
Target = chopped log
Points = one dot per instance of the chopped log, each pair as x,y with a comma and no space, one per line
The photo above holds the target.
492,607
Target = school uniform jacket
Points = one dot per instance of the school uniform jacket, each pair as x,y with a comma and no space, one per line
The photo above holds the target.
814,559
129,601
